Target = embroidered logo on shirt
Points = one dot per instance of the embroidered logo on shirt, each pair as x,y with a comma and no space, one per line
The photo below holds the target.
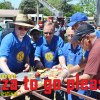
20,56
49,56
69,66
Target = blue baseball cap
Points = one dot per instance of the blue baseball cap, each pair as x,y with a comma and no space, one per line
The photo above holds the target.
77,17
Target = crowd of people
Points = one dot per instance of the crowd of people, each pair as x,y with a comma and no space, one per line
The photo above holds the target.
26,47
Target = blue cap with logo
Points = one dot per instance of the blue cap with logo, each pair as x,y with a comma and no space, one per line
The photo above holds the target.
77,17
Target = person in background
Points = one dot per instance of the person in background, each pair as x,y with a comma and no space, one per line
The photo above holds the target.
86,36
62,29
48,52
97,30
57,28
35,35
15,47
73,53
78,19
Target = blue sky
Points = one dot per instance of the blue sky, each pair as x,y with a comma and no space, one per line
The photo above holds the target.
74,1
16,3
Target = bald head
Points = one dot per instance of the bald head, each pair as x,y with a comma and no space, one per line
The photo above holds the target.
69,33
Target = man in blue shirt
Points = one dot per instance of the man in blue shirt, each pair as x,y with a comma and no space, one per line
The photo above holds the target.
73,55
15,47
76,21
86,36
48,50
72,51
97,33
35,35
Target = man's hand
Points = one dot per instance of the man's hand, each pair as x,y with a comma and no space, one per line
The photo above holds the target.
27,66
63,74
61,78
57,66
65,80
12,73
38,65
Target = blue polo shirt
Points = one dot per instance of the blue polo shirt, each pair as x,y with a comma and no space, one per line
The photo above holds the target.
32,51
15,51
49,53
72,56
97,33
0,36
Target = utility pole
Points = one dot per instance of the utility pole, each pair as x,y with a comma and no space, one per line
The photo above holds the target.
37,12
97,13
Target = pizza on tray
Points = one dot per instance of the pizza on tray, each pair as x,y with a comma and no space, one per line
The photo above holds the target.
50,73
42,74
22,90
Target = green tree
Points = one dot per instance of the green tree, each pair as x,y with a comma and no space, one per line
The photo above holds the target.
45,11
88,6
67,8
6,5
28,6
61,5
74,8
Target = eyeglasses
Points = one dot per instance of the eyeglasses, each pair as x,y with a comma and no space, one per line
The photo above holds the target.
48,33
23,28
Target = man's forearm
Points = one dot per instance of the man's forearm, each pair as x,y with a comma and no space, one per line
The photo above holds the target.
28,60
81,77
74,69
62,61
78,68
4,67
37,63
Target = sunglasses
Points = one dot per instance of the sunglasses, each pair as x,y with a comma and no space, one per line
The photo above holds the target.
23,28
48,33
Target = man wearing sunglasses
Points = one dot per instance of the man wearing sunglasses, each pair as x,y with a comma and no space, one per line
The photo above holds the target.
86,36
49,47
15,47
48,52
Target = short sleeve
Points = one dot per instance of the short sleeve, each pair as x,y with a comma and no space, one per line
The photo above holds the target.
60,42
38,51
6,46
93,62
